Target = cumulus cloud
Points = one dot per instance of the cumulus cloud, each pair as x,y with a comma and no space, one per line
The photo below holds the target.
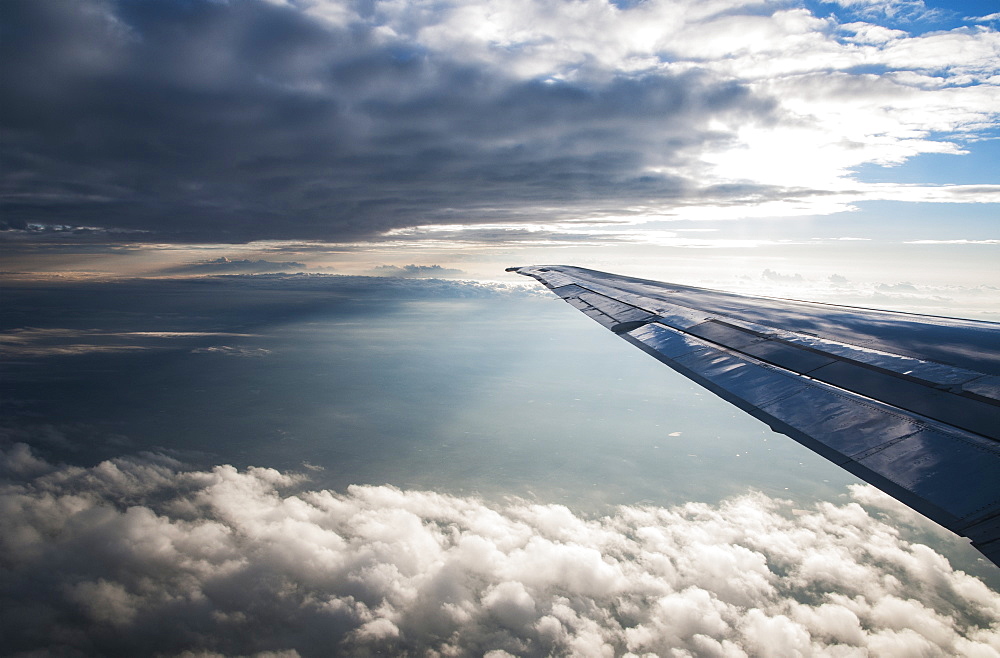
137,554
329,120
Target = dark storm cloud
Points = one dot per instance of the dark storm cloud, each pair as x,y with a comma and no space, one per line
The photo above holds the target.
202,120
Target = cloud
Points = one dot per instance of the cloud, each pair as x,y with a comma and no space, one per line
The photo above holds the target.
901,9
230,350
960,301
171,314
223,265
904,286
778,277
315,128
415,271
520,233
138,554
963,241
211,121
367,287
56,341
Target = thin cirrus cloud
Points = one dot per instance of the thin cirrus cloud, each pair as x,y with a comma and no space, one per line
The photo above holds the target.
208,121
101,560
909,9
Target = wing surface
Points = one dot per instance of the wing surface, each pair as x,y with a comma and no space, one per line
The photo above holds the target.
909,403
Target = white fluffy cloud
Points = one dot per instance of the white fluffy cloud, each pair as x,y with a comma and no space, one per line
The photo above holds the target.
136,555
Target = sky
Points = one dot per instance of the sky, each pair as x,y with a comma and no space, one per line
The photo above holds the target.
703,140
267,390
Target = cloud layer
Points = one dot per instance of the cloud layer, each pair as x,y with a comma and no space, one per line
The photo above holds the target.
330,119
415,271
223,265
971,301
137,554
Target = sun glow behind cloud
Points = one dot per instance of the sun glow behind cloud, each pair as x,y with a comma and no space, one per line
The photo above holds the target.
936,83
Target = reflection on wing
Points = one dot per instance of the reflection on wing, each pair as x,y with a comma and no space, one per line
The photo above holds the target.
909,403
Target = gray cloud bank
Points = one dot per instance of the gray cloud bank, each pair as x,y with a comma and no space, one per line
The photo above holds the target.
336,120
204,120
138,555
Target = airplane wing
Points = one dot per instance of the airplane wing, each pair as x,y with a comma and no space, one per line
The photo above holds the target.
909,403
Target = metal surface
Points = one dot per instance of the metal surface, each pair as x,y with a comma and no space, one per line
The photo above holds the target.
909,403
